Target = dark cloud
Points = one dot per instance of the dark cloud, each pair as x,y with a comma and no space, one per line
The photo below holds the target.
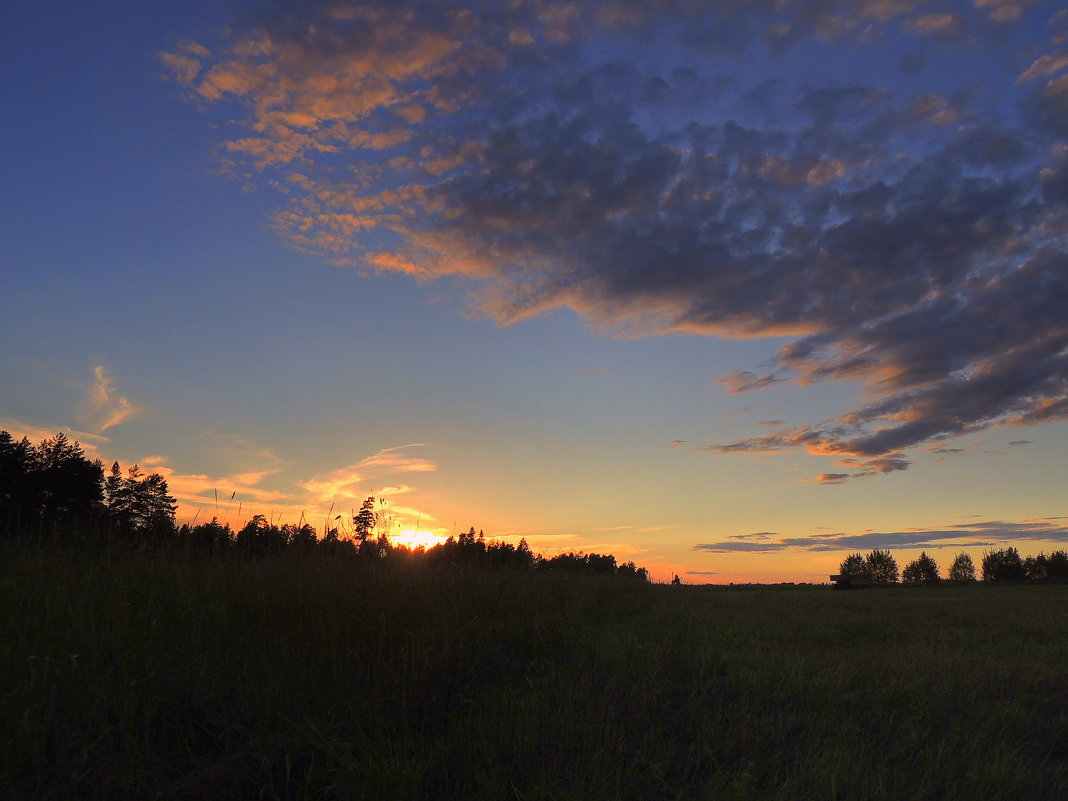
907,238
738,381
967,535
832,478
738,546
1021,442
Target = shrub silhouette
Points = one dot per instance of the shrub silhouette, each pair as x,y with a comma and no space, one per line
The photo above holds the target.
881,567
923,570
1003,565
962,569
854,565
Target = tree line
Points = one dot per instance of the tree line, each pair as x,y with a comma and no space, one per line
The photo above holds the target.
1004,565
54,488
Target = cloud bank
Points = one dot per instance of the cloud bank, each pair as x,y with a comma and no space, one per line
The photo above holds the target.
978,534
830,172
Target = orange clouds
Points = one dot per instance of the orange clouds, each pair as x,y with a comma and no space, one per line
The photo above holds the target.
104,408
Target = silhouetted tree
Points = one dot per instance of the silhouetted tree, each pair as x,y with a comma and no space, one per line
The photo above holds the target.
213,537
365,521
69,486
18,502
1044,568
302,536
923,570
523,555
138,503
259,536
1035,568
962,569
1003,565
854,565
1057,566
881,567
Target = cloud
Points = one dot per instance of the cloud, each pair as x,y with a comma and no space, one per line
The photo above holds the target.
1004,10
353,482
907,238
1049,64
739,547
103,407
738,381
977,534
832,478
937,24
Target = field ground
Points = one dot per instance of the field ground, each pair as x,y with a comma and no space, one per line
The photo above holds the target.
163,676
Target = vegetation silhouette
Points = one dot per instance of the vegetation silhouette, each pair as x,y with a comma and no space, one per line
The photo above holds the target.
878,567
962,569
1003,565
923,570
999,566
151,660
53,489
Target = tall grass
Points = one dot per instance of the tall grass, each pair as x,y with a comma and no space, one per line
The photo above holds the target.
163,675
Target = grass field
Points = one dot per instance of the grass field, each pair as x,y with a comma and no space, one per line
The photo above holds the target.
164,676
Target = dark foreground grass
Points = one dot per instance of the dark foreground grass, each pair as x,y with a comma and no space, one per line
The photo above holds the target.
162,676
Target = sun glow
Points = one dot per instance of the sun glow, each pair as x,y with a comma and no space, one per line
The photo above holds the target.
410,538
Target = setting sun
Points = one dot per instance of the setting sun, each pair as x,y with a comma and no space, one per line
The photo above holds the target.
410,538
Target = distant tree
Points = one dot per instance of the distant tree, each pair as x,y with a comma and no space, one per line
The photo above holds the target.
260,536
853,565
1057,566
1044,568
1003,565
212,537
138,503
18,493
923,570
467,538
601,563
524,557
881,567
299,536
1035,568
365,521
68,485
962,569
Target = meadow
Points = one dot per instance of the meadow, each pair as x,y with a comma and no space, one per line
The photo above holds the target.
166,675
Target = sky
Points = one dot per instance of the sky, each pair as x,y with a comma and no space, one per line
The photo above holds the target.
730,289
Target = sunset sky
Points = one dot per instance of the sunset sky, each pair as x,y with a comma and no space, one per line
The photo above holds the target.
727,288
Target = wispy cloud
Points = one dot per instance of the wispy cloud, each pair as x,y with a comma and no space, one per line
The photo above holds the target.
395,460
353,482
104,408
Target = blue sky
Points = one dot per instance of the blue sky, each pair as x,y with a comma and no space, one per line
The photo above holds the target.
606,277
